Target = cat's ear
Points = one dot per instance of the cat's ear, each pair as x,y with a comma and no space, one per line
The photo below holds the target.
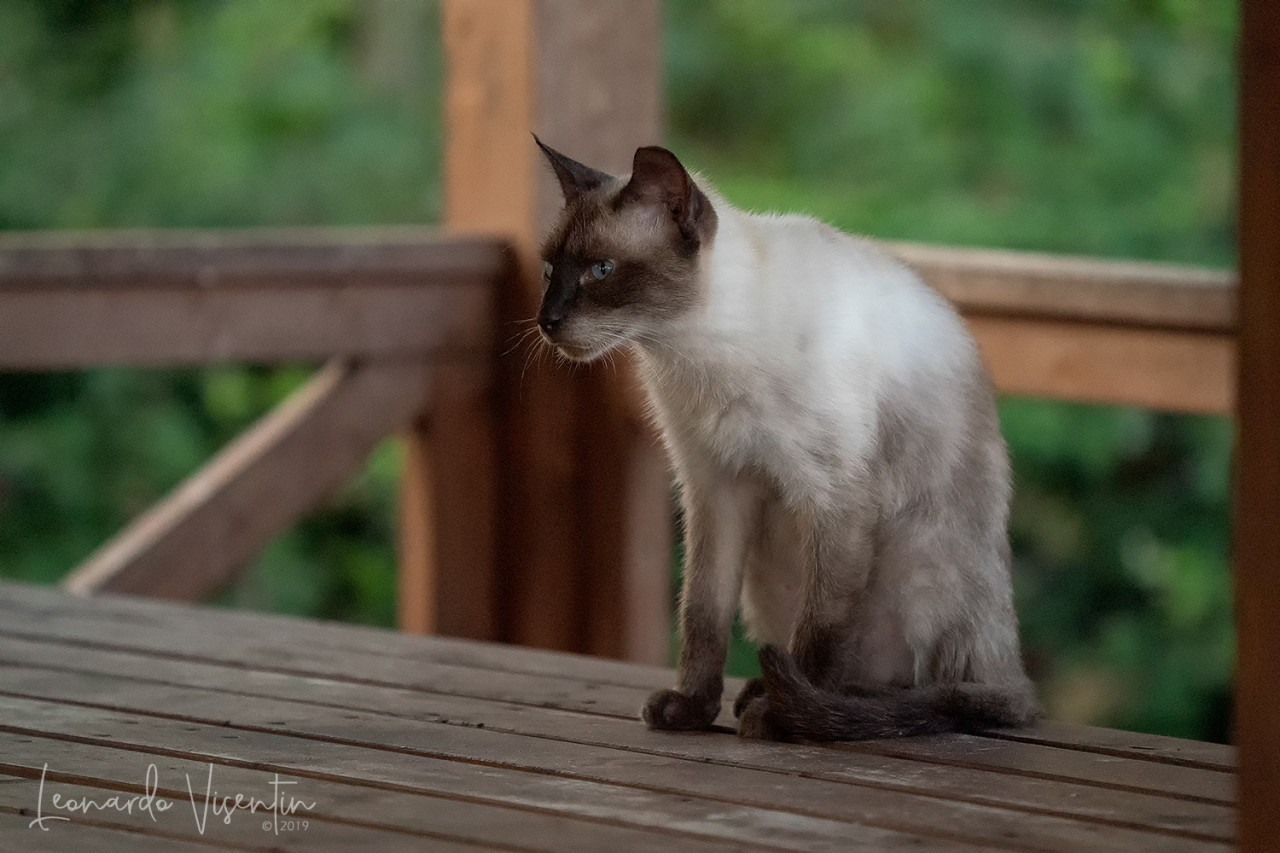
575,178
658,178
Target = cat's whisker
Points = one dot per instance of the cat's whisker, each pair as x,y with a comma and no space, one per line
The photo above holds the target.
532,356
519,339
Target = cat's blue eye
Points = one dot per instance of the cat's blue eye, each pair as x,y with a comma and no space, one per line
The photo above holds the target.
600,269
546,270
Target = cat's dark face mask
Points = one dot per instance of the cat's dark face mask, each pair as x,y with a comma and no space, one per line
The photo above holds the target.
621,264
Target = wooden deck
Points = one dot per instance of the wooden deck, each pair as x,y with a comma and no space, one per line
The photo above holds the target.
394,742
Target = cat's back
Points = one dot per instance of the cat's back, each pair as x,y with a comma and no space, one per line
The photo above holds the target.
804,283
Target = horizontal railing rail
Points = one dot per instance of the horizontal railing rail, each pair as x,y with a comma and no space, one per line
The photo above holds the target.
1138,294
1160,336
158,298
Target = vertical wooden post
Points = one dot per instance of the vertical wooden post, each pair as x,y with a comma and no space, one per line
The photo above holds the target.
583,74
1257,510
448,510
598,97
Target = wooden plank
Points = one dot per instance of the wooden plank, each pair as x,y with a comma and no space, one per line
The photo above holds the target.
119,303
567,581
1154,335
373,656
240,259
982,280
1182,371
280,641
1187,753
1121,808
108,619
449,574
15,826
294,657
243,832
415,818
195,541
64,329
1089,290
1257,543
1030,759
359,745
532,777
282,646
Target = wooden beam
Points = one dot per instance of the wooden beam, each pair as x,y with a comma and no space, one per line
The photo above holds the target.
489,184
197,539
449,579
158,299
604,105
1257,540
234,258
648,534
1160,336
516,66
1087,290
1182,371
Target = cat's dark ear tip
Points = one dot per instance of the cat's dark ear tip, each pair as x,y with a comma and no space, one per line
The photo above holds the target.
654,154
575,178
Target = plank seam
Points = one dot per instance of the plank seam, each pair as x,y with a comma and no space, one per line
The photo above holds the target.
1114,752
866,748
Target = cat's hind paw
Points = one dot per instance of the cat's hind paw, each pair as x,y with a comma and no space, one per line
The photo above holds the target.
671,710
754,722
750,690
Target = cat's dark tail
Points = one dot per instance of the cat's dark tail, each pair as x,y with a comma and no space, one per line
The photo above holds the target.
797,709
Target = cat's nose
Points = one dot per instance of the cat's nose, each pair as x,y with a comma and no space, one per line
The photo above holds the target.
550,321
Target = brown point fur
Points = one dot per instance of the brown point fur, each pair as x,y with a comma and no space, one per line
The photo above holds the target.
656,274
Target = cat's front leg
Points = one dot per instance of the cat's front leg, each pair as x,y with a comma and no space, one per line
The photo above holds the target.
718,523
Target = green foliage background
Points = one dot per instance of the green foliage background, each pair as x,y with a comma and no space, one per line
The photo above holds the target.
1102,127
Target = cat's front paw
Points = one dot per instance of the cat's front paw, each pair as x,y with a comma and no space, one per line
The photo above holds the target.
754,721
672,710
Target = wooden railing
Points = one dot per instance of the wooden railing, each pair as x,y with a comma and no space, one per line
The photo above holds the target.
403,321
1154,335
408,327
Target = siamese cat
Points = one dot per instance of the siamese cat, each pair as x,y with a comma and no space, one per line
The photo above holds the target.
834,434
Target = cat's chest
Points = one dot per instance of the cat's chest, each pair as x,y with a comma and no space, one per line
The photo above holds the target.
737,412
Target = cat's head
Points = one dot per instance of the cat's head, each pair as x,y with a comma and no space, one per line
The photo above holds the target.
622,262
